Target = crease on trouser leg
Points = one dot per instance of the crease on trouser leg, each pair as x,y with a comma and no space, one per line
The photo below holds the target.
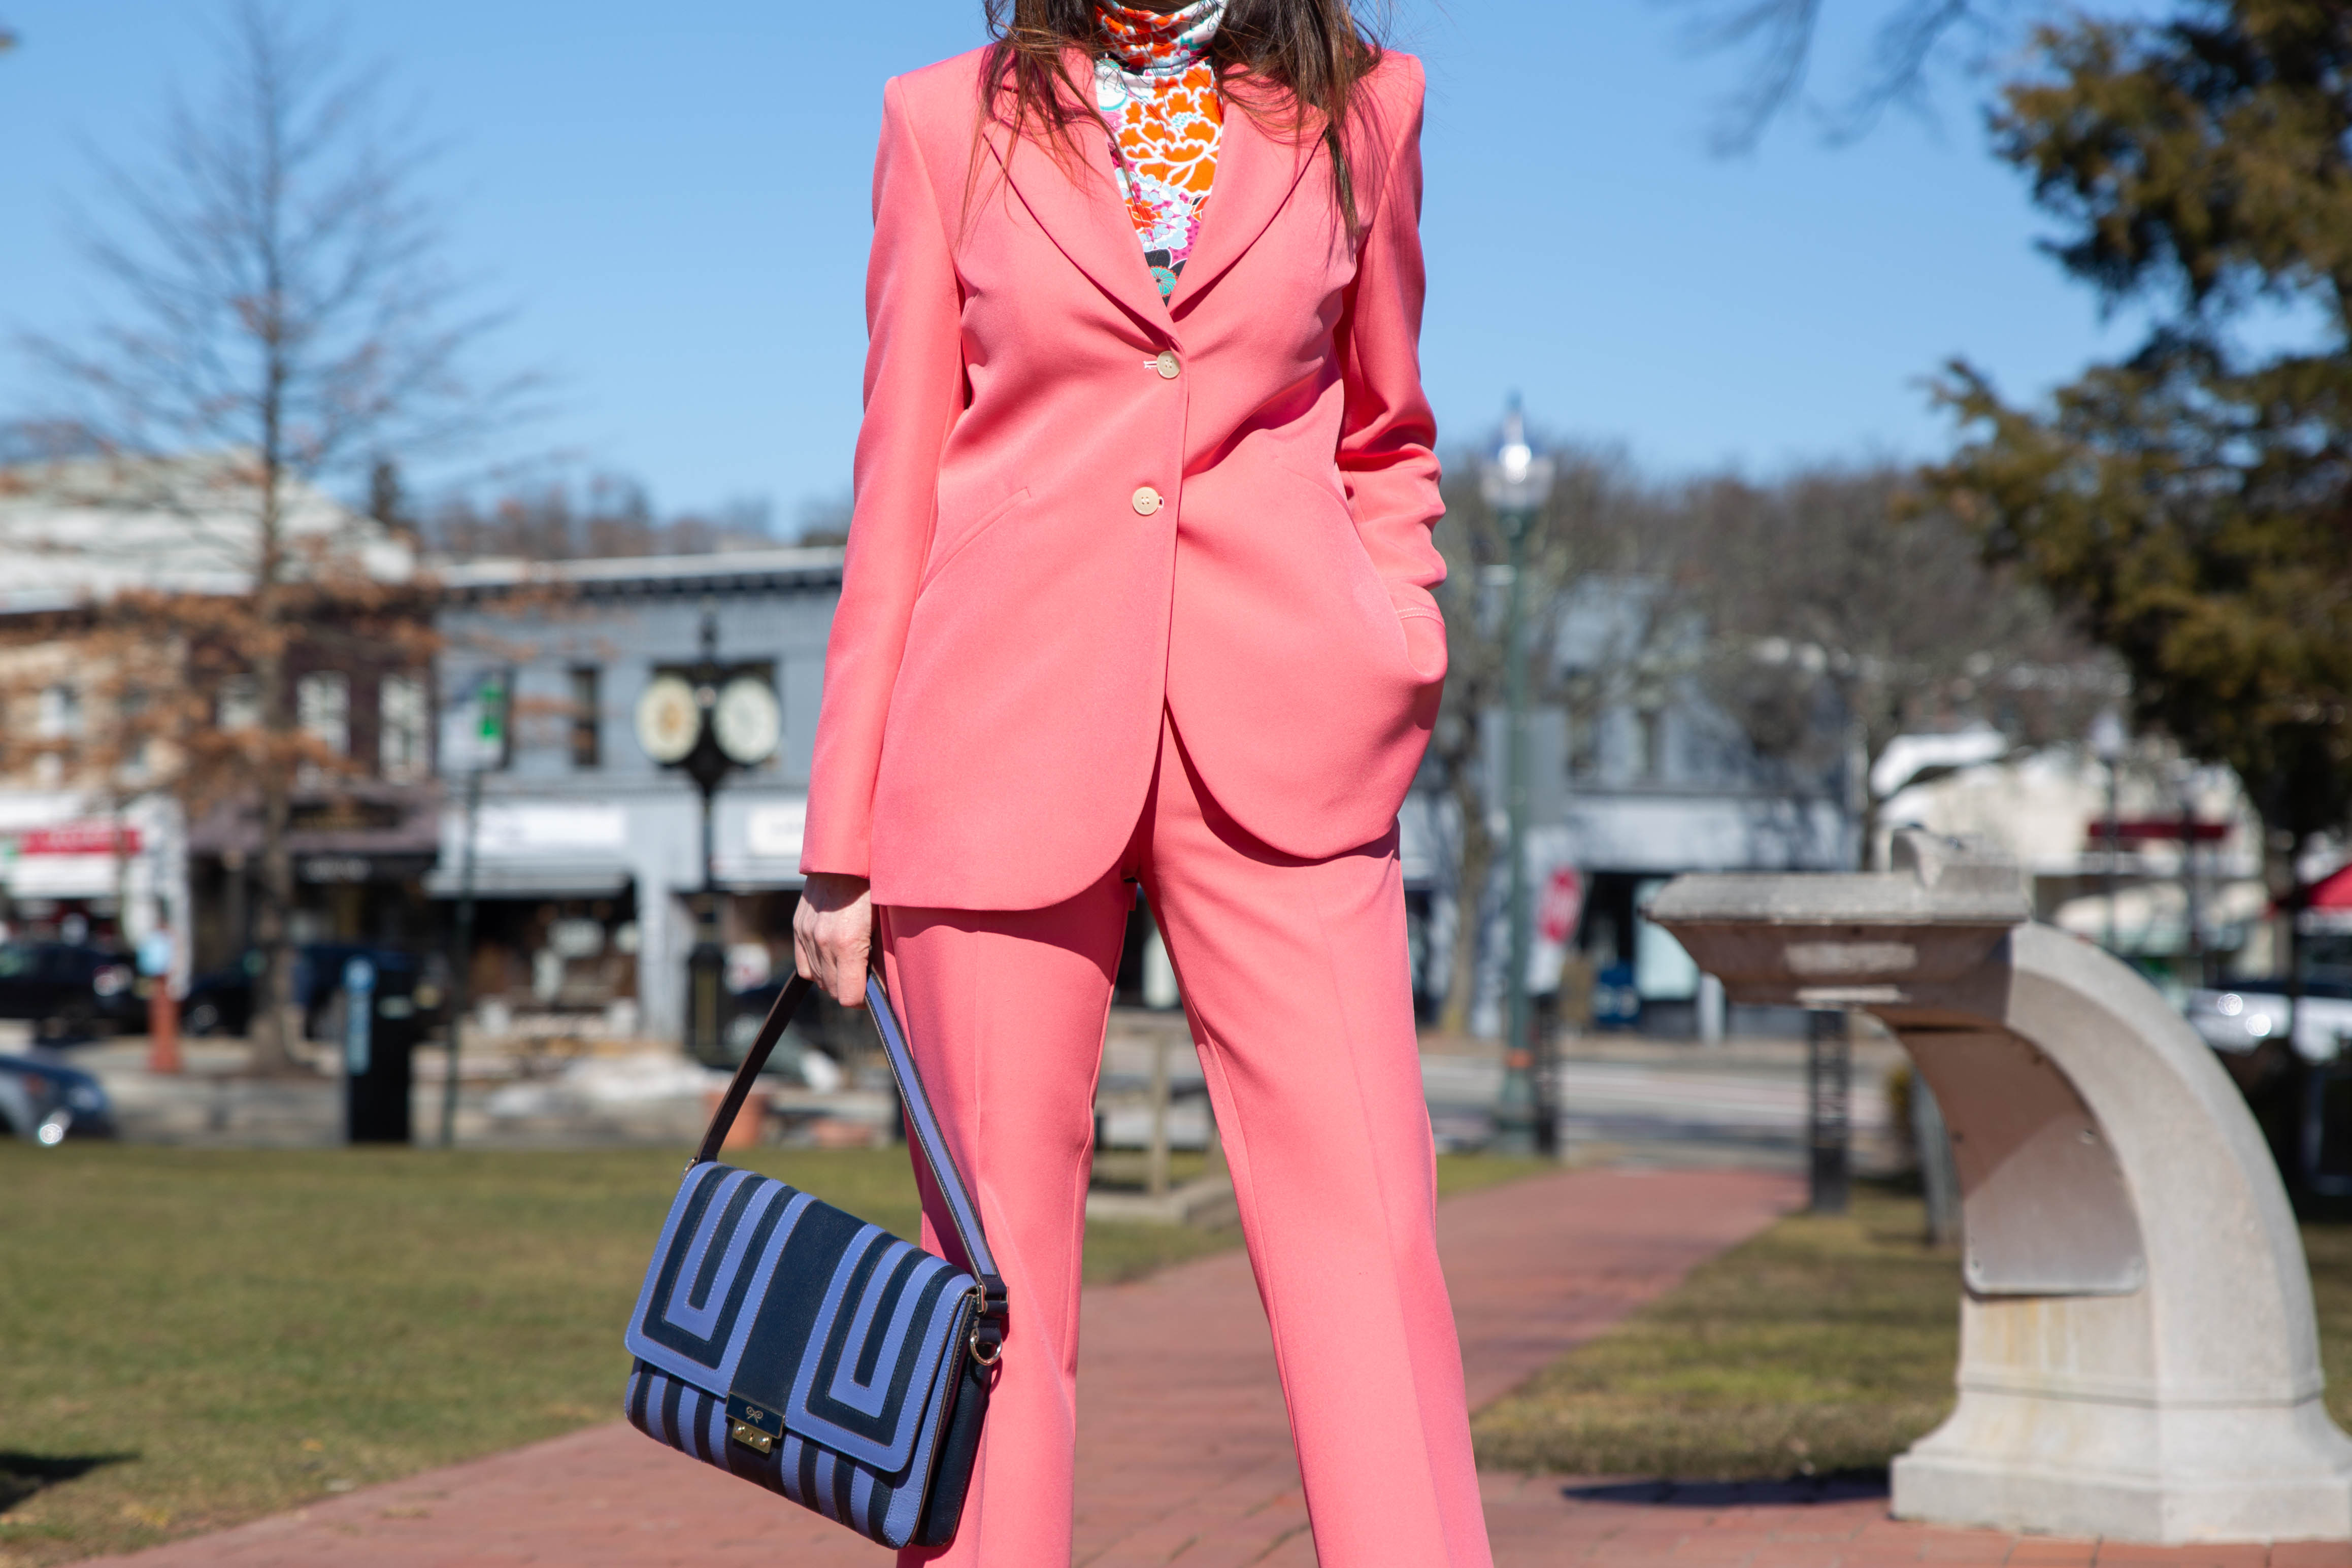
999,1002
1425,1315
1328,1114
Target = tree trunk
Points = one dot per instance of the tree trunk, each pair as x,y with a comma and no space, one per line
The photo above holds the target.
277,1019
277,1022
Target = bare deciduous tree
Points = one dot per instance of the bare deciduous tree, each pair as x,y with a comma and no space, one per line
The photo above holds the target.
285,320
1781,37
610,514
1818,616
1842,612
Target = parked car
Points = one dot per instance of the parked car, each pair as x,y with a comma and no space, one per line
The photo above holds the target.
2239,1019
47,1103
221,1001
70,990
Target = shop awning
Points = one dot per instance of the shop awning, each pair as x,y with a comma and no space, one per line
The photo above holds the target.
79,859
529,879
2330,909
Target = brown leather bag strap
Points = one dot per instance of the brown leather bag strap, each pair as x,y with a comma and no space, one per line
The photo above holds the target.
788,1002
962,1211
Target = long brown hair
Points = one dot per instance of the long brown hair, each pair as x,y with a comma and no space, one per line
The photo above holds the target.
1313,53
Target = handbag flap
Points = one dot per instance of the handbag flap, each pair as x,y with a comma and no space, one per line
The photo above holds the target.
758,1291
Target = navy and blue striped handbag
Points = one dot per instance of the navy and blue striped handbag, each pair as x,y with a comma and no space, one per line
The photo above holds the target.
811,1352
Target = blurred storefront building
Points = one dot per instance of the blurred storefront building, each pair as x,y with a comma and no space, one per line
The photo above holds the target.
1634,776
2153,857
128,642
584,854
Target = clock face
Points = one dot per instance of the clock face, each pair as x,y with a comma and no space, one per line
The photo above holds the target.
747,721
669,721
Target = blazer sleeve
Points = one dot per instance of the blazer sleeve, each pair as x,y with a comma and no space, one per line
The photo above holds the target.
1387,436
914,390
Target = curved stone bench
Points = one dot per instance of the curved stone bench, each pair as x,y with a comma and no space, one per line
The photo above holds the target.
2138,1355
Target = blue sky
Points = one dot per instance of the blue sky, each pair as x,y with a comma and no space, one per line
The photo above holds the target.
674,198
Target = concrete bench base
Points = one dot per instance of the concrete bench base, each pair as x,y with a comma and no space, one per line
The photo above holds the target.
2275,1484
2138,1355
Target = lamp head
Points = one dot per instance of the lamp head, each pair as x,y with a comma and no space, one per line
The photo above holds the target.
2107,737
1516,478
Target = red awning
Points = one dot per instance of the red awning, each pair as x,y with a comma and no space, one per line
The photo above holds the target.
2333,890
92,836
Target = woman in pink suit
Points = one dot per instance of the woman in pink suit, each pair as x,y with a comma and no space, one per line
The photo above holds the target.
1138,592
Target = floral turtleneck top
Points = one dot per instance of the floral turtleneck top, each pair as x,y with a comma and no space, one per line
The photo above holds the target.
1158,94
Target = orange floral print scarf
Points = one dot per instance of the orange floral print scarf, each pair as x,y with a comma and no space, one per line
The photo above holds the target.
1158,94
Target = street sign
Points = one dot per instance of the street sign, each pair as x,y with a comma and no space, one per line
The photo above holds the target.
474,727
490,714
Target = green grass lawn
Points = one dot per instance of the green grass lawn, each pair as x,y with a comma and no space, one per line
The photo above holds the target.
193,1338
1823,1344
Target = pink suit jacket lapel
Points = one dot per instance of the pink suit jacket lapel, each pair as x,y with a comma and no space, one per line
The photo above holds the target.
1079,208
1256,172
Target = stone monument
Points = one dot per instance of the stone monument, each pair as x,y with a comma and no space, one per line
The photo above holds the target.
2138,1355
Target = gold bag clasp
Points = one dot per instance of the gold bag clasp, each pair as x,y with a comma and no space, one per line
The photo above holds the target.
754,1426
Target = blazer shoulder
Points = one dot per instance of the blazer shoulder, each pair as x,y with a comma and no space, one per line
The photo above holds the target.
1385,120
936,110
943,95
1398,85
1387,110
1400,72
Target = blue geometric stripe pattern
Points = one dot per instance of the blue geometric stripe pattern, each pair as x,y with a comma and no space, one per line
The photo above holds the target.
699,1301
761,1293
850,1392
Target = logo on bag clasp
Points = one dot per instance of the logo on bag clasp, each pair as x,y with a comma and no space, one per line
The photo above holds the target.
755,1426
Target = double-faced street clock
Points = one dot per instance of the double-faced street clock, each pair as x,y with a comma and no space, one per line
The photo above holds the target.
707,720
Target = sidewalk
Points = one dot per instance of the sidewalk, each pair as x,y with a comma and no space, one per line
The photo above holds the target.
1195,1469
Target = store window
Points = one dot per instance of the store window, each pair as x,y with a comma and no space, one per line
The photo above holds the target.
60,713
1653,732
401,719
240,703
323,708
58,722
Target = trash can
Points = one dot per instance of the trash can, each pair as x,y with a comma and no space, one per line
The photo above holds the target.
381,1024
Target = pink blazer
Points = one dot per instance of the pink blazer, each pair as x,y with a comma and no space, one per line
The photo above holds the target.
1077,503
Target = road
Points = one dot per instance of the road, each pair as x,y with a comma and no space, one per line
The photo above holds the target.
1623,1100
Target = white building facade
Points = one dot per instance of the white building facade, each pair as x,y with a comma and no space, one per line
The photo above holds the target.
585,854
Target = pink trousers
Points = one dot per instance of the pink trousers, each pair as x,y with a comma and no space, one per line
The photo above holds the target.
1294,976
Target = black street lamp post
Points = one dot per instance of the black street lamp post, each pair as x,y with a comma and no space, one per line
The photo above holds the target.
706,720
1516,482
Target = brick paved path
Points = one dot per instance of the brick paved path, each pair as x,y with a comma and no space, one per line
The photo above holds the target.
1184,1456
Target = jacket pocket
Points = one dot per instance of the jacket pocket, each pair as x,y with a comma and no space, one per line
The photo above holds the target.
1373,598
963,542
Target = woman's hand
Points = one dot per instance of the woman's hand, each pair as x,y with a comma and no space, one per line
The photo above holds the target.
833,933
